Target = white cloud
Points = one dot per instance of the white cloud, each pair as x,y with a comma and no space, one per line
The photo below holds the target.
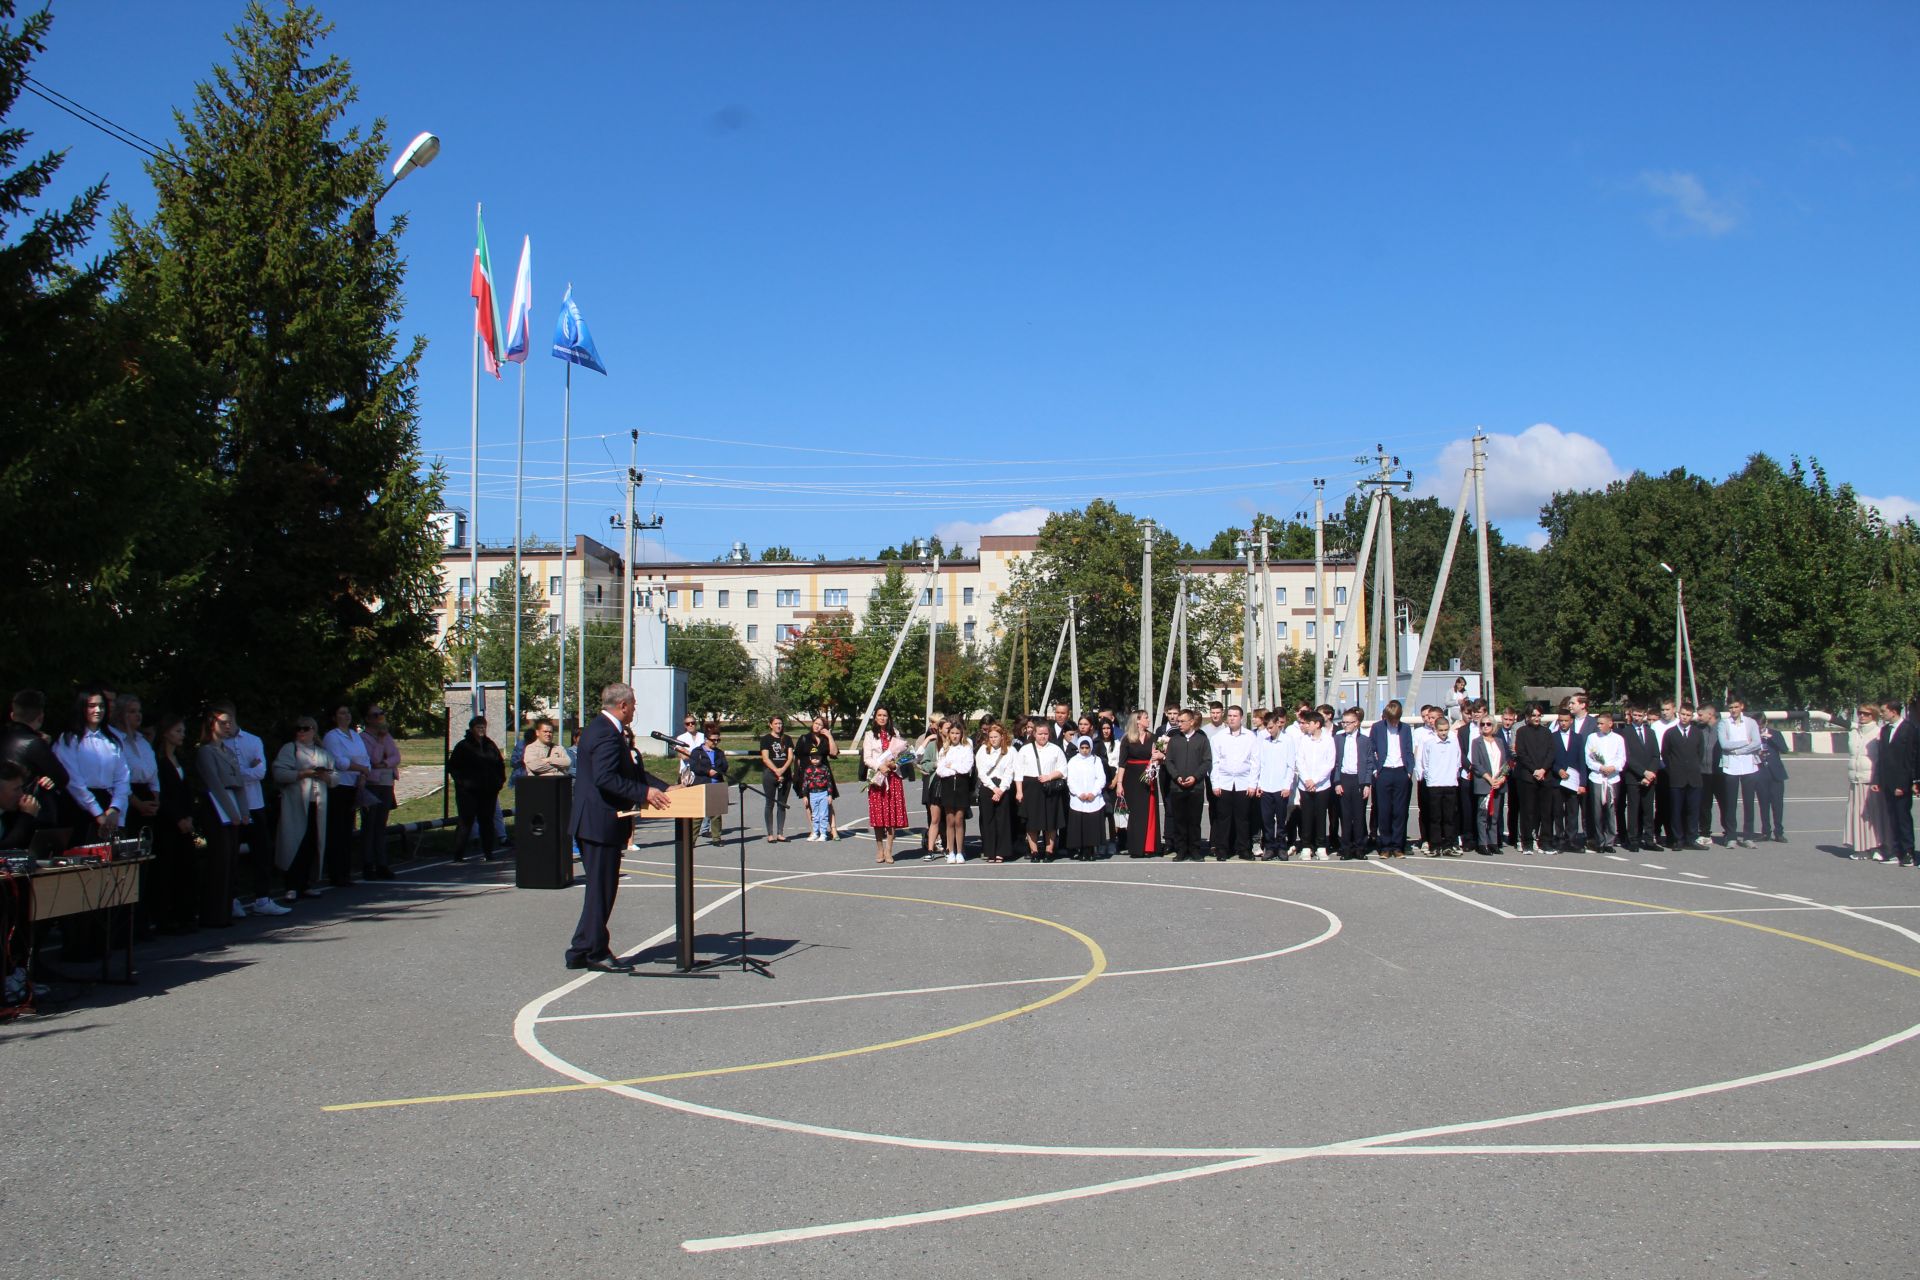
966,533
1893,509
1524,470
1688,209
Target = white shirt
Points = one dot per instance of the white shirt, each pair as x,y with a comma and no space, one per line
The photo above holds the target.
246,748
955,762
1350,753
1233,760
1392,758
1275,764
1313,761
1660,728
94,762
996,766
1213,731
1440,762
142,768
1086,773
1422,735
346,748
1035,760
1739,746
1606,750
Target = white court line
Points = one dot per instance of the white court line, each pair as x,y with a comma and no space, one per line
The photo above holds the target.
1333,928
1735,884
1717,911
1654,866
1693,875
1614,857
1461,897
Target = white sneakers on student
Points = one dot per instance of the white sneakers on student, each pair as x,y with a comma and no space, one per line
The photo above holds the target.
239,910
267,907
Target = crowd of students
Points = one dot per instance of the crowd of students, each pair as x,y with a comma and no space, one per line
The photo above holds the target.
1316,783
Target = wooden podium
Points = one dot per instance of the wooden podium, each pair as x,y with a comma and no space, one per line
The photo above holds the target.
688,807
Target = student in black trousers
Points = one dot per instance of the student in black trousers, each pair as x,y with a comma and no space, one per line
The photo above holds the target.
1773,786
1641,782
609,779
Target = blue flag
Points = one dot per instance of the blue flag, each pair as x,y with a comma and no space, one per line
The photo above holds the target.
571,341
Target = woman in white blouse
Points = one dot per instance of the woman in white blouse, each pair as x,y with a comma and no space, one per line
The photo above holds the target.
350,765
304,773
1041,786
996,768
953,788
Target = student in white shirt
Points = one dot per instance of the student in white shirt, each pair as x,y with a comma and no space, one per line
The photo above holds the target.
1040,787
259,836
1274,780
1606,757
1739,772
1233,783
1423,733
996,767
1313,770
953,782
97,777
1440,768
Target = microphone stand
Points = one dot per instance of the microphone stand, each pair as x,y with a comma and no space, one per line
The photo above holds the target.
746,961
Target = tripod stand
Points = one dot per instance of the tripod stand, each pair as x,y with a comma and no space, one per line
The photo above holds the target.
740,955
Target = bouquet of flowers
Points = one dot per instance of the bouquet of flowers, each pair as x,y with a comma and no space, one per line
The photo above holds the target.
1153,769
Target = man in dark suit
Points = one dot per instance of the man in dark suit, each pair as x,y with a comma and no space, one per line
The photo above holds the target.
1392,744
1353,772
1570,783
1684,750
1642,787
610,780
1894,772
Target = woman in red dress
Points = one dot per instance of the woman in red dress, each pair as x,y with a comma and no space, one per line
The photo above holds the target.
886,794
1137,755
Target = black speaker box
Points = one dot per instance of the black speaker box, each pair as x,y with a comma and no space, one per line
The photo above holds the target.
543,851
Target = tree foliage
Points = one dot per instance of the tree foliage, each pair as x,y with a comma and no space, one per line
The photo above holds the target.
539,649
262,269
720,675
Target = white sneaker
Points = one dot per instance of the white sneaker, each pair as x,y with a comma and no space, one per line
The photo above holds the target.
1880,857
267,907
239,910
956,857
1319,855
813,837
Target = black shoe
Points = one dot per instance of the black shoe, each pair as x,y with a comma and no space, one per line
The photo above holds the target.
603,964
1246,857
1181,857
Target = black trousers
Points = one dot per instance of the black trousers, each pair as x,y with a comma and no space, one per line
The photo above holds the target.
1773,805
1534,800
1276,811
1663,809
1312,807
1446,816
1233,815
216,883
1687,818
1566,817
1899,836
260,841
1214,821
302,867
342,807
1426,815
773,816
1353,813
1742,786
1391,790
600,865
1183,820
1641,824
996,825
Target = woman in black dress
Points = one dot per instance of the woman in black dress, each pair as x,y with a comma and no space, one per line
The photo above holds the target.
478,772
1138,756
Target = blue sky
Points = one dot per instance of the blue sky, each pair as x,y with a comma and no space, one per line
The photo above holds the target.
865,270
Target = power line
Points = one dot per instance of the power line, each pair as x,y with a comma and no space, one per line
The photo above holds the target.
93,119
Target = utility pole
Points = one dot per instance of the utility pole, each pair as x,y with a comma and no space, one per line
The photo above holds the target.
933,634
1319,589
1269,641
1486,576
1385,628
628,523
1146,611
1186,607
1249,639
1073,652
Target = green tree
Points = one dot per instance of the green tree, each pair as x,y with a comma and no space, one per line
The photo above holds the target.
816,667
539,650
263,265
720,676
1286,539
780,552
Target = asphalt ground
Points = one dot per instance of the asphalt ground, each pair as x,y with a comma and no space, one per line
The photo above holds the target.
1674,1064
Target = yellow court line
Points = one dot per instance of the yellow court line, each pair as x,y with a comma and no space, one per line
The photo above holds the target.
1080,984
1681,911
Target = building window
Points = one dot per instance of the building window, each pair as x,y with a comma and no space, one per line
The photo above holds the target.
966,628
933,595
1281,628
753,632
1339,595
553,625
599,593
724,599
553,587
783,632
833,598
1339,629
1309,594
787,598
673,598
966,595
1313,632
466,590
753,598
1279,595
699,598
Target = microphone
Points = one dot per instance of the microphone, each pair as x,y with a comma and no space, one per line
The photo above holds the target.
659,737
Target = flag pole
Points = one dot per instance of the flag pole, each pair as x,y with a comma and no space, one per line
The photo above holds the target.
566,461
519,470
473,539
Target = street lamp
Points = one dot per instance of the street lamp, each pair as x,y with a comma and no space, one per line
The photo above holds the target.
417,154
1682,640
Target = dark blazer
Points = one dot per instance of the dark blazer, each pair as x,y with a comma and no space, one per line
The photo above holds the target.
1362,756
1534,747
1378,734
1772,747
1683,755
1484,757
1643,750
1189,759
1571,756
608,779
1899,760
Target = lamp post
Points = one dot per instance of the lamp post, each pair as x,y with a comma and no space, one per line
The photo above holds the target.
1146,612
1682,640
